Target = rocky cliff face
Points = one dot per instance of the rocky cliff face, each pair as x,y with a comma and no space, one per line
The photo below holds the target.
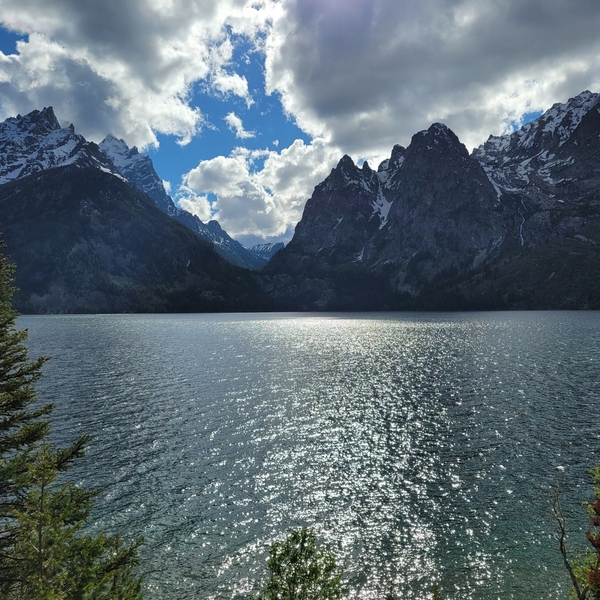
435,227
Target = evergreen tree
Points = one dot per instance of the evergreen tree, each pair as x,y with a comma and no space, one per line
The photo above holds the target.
591,567
300,570
43,553
21,425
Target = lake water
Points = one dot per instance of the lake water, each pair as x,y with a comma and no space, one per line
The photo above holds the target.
420,447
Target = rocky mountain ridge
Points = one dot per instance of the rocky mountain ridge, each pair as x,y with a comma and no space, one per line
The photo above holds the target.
138,169
36,142
515,224
266,251
433,222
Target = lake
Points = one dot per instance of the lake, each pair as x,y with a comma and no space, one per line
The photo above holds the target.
420,446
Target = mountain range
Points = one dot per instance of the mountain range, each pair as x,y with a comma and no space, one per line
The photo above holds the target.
515,224
92,229
37,142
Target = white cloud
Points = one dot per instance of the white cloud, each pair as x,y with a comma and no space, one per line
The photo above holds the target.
358,76
232,83
235,124
196,204
370,73
125,68
266,202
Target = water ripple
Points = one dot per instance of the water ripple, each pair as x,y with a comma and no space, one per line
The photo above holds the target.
421,447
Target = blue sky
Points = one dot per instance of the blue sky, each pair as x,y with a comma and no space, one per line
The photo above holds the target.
246,105
8,41
264,119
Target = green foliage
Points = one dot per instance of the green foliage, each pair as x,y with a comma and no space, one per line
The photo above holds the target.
21,424
300,570
587,569
437,595
584,567
43,553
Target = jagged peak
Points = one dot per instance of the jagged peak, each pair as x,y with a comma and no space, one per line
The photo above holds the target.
440,130
397,155
345,169
366,168
36,142
45,115
568,115
585,99
214,226
393,163
37,121
345,162
384,165
112,139
267,246
47,112
111,142
439,138
555,126
121,154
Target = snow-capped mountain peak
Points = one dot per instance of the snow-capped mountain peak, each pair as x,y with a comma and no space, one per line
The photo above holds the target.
564,118
36,142
541,159
118,151
266,251
37,122
138,169
551,130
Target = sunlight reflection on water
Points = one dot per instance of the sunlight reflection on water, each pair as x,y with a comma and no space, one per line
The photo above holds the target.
421,447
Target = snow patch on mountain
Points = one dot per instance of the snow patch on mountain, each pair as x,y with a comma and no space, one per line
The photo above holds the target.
265,251
37,142
381,205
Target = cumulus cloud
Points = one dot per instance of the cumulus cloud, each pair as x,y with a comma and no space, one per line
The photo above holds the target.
196,204
370,73
265,202
124,67
357,76
235,124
